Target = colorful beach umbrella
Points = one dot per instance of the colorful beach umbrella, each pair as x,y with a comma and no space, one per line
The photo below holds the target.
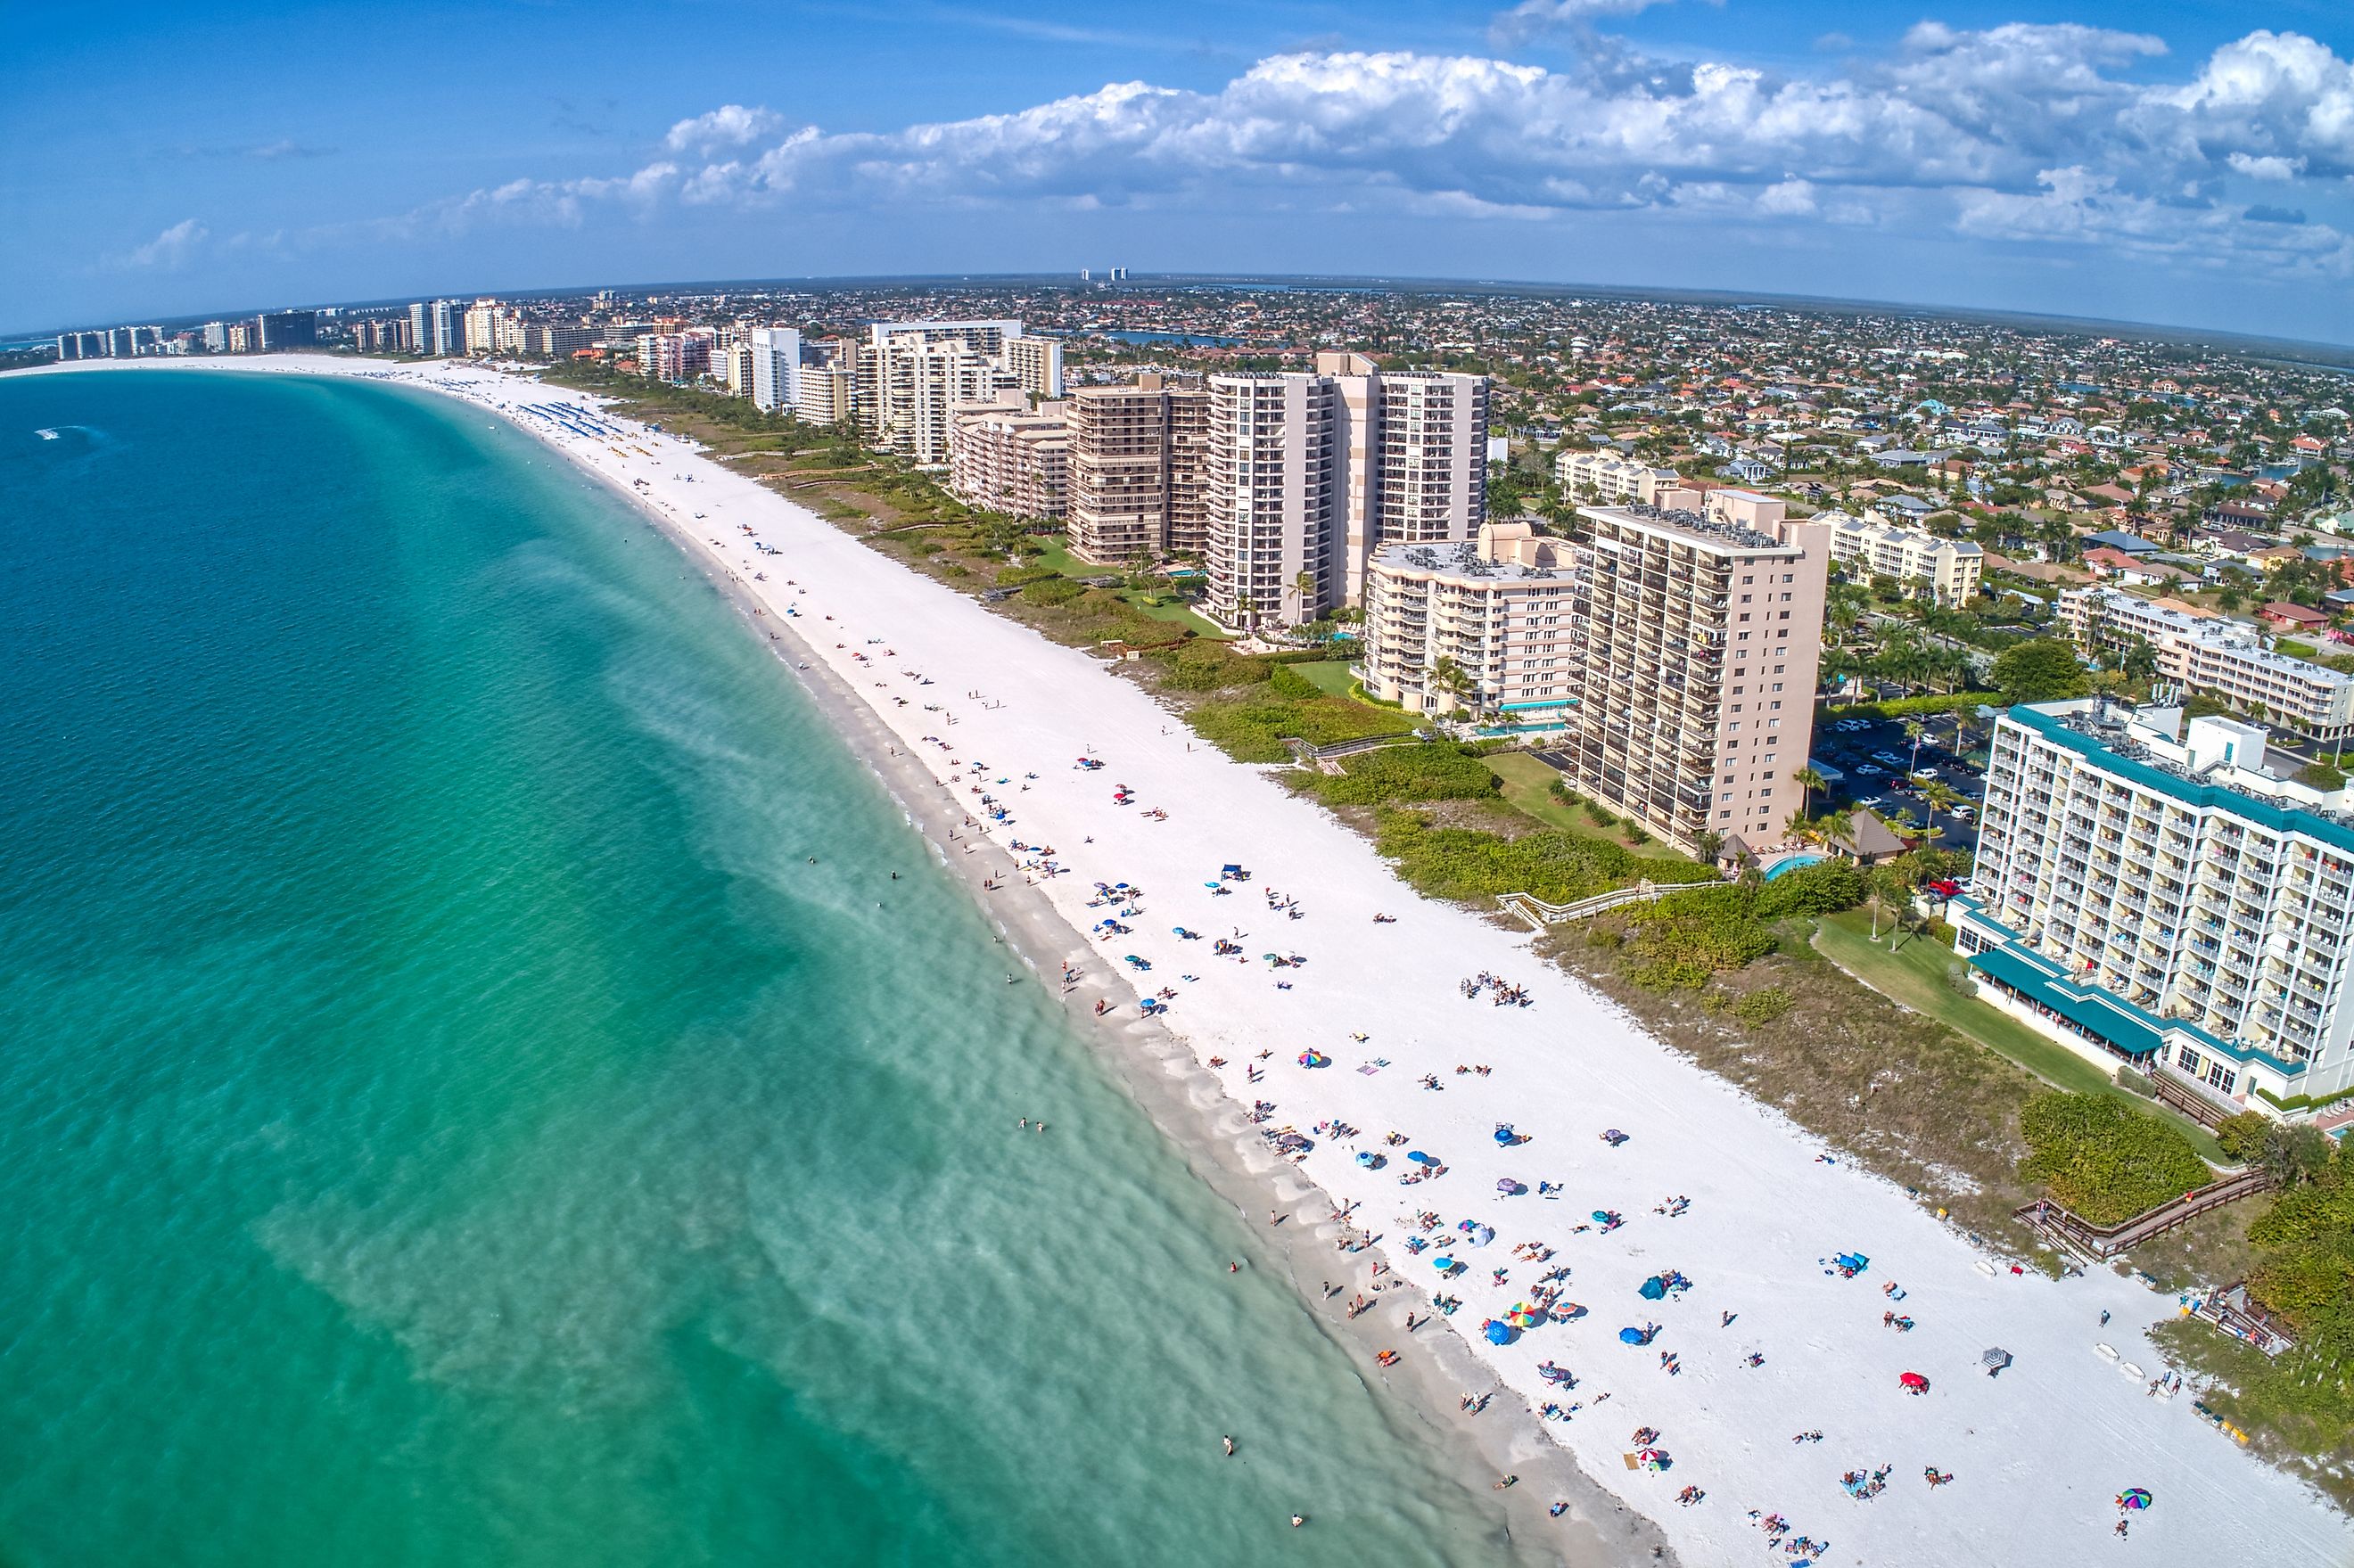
2135,1498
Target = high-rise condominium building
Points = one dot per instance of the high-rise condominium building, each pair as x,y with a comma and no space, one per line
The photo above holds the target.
1139,470
775,367
1691,652
1036,365
558,340
911,382
1477,624
448,327
986,338
380,334
120,343
420,328
1311,472
675,357
2167,894
481,326
1274,483
287,329
910,376
829,395
1011,459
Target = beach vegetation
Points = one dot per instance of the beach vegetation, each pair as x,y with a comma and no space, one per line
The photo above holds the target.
1254,728
1554,865
2105,1161
1399,775
2302,1400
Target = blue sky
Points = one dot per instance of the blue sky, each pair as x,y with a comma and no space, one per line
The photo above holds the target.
2186,162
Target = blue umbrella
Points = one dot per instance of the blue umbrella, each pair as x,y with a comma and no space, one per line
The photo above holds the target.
1501,1333
1633,1337
1419,1158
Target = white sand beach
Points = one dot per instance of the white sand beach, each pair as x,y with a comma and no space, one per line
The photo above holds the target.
2037,1455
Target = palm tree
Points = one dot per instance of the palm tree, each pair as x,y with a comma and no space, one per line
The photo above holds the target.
1914,731
1305,583
1808,778
1450,679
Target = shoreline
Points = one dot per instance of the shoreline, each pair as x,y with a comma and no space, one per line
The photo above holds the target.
1201,1122
2038,1456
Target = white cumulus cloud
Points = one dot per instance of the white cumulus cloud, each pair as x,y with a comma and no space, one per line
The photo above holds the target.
169,249
729,125
2019,133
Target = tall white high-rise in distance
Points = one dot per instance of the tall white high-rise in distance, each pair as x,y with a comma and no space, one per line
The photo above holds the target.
911,377
1312,472
776,369
449,327
420,328
481,325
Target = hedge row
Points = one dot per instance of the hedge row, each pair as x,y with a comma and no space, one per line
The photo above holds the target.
1914,707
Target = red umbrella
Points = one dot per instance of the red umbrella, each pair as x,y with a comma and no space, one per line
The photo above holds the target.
1913,1383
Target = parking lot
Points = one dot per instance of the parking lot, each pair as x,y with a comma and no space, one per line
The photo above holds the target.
1877,764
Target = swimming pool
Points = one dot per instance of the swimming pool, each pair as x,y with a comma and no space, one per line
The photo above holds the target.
1794,863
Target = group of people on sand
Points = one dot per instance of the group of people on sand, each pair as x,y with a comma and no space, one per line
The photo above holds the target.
1503,994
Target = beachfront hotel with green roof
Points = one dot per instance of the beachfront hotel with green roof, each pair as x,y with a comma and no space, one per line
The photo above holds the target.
2169,895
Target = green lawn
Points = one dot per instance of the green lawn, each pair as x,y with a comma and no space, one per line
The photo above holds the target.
1169,606
1330,676
1911,971
1528,789
1175,611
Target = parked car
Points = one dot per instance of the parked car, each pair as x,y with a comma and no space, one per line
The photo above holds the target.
1945,887
1925,774
1869,770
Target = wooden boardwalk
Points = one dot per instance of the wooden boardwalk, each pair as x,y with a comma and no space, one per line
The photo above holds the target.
2102,1242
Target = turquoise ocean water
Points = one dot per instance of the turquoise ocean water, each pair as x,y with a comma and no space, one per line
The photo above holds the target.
444,1119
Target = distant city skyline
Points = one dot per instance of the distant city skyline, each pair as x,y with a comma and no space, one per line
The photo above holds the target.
2187,164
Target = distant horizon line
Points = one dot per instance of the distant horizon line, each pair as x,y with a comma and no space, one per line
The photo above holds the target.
2341,356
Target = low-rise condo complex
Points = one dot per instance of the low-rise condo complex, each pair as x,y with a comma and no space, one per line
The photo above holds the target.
1944,570
2202,651
1608,477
